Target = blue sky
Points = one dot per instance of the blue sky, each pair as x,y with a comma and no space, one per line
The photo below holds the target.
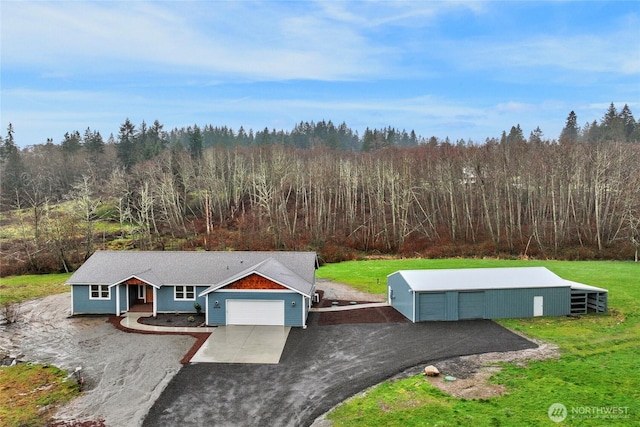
467,69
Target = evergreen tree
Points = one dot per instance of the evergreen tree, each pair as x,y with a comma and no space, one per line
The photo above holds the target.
570,131
195,143
515,135
11,168
71,144
536,136
628,122
156,139
126,145
93,143
612,125
368,140
591,132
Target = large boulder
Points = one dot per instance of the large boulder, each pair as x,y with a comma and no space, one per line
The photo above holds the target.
431,371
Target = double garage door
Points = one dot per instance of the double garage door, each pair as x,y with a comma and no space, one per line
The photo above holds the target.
451,305
255,312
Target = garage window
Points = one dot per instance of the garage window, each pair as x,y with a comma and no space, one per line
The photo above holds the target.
185,293
100,292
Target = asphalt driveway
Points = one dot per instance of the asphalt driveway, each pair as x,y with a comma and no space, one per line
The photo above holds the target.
320,367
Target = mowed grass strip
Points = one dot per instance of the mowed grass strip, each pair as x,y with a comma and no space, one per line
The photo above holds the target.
597,376
30,393
19,288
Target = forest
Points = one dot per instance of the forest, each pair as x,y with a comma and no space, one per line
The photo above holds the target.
325,188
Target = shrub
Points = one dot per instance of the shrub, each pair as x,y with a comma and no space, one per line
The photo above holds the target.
9,312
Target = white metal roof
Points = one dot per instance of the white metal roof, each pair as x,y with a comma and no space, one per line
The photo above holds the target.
583,287
481,278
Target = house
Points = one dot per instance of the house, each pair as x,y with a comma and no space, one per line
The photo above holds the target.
241,288
489,293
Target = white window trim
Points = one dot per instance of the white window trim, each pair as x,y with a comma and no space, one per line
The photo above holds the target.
184,291
101,288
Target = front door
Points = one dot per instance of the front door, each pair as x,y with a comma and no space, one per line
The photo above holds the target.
149,293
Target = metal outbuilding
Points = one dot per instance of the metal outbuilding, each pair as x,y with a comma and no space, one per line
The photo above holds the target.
489,293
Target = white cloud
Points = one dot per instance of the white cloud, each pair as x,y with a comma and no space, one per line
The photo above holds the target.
241,41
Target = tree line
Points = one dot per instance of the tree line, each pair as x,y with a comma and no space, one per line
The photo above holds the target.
577,197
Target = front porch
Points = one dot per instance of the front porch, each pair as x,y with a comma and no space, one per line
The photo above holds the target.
141,308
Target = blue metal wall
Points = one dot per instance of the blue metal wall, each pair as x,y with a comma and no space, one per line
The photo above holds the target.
507,303
83,305
401,295
293,315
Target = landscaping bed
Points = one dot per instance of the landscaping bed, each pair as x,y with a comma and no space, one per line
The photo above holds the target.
174,320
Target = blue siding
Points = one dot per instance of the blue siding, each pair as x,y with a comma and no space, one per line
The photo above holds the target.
451,310
123,296
83,305
166,303
401,295
293,315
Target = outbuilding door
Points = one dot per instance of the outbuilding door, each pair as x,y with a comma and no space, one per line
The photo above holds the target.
470,305
538,306
255,312
431,306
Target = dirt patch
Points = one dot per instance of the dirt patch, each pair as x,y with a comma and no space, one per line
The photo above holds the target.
473,372
340,291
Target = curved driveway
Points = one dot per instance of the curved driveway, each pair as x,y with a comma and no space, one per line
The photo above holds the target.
320,367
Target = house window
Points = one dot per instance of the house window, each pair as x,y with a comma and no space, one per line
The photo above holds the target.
100,292
185,293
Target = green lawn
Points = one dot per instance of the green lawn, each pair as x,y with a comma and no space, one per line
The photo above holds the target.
597,374
30,393
20,288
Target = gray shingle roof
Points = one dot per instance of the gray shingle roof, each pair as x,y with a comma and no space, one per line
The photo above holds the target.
195,268
272,270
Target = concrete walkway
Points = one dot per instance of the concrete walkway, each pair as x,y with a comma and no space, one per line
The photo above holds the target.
349,307
226,344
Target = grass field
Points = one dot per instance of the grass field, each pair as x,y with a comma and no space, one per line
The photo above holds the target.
20,288
597,376
30,393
